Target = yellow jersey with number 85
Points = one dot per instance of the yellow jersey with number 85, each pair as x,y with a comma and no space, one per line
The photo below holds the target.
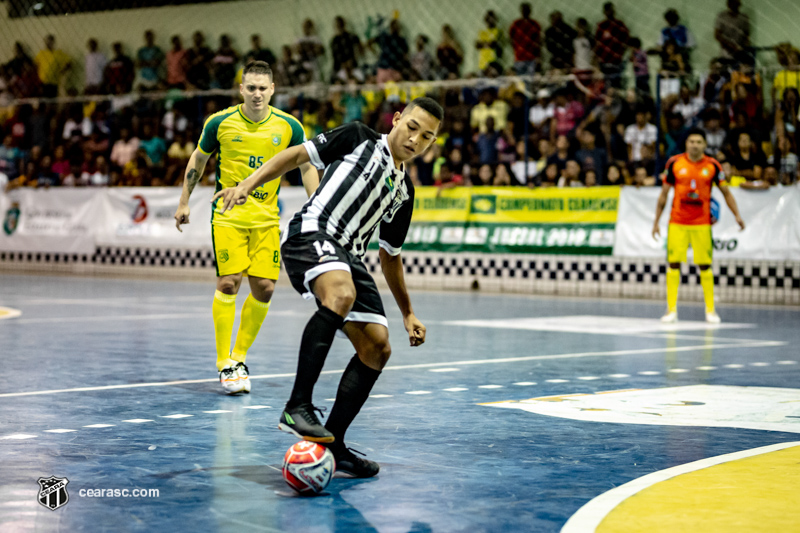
244,146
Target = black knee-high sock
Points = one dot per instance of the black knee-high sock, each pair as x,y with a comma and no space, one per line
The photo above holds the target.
354,388
317,340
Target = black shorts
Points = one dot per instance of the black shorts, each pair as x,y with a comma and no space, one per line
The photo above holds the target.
309,255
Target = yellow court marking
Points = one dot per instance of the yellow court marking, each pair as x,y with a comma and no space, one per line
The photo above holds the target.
7,312
753,490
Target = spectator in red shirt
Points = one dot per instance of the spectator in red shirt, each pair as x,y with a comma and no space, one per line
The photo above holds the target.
611,41
119,72
526,39
567,114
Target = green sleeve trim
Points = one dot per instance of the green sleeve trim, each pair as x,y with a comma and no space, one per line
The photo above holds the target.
298,133
208,140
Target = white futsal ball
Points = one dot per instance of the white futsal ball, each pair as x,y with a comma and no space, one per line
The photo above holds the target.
308,467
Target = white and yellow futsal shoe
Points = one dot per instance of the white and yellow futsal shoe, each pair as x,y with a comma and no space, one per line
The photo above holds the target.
230,380
713,318
670,318
244,376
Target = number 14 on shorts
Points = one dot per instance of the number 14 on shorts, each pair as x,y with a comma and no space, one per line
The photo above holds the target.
324,248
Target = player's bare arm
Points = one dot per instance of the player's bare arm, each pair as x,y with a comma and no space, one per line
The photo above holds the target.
662,202
289,159
194,173
732,205
310,178
392,267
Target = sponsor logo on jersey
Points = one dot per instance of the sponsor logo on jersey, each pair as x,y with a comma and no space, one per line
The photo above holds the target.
327,258
53,492
321,138
238,139
259,195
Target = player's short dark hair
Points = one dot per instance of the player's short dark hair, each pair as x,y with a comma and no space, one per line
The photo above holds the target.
428,104
257,67
696,131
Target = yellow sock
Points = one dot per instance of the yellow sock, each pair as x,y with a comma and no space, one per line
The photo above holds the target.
673,282
224,312
707,282
253,315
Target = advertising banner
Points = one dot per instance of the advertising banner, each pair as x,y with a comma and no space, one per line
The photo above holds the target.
514,220
772,224
50,220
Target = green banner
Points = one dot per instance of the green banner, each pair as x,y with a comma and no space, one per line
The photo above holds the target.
476,237
514,220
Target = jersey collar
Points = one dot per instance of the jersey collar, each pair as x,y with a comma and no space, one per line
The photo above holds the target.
240,108
385,141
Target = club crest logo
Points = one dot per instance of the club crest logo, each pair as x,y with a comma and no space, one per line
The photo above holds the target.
276,139
53,492
223,256
11,220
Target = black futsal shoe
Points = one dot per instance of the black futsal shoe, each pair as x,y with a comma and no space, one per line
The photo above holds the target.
349,463
301,422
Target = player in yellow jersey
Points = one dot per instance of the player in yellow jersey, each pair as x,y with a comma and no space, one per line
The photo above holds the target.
246,241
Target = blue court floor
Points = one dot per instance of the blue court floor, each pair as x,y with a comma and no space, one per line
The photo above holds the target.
111,384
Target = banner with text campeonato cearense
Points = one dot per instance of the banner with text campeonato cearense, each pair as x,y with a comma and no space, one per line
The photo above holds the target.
514,220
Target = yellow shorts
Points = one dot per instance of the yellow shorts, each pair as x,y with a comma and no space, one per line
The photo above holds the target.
255,251
680,237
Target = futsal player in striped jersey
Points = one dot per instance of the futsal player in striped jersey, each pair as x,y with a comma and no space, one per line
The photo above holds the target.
246,241
364,187
692,174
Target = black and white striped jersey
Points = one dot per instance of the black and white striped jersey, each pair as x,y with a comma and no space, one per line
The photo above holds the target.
360,189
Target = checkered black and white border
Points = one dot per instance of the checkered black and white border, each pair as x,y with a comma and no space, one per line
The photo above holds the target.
742,281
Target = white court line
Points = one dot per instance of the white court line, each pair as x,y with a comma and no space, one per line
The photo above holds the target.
7,312
112,318
669,335
589,517
674,349
108,318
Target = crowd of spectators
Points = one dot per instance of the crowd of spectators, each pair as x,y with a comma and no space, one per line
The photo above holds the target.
582,120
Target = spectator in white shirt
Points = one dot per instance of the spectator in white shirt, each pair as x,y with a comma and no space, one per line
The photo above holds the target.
124,149
689,105
94,65
640,135
541,114
99,178
715,135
